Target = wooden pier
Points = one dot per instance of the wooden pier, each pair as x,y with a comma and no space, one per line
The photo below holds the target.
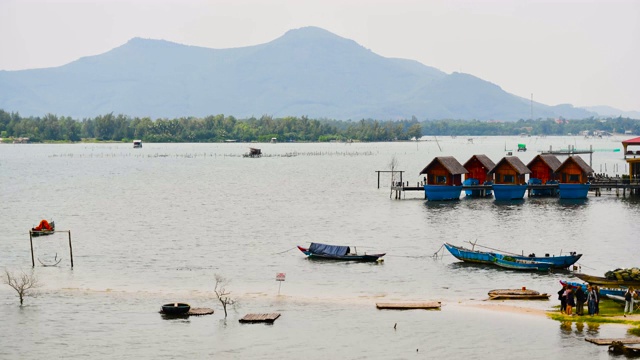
604,341
260,318
431,305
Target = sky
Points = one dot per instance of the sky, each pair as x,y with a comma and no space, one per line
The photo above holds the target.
584,53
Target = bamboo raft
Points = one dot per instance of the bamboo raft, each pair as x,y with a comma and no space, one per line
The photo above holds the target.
410,305
256,318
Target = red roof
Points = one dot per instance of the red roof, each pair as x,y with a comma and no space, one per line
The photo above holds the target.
634,141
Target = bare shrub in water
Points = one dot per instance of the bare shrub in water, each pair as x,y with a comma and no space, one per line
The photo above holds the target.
224,296
24,284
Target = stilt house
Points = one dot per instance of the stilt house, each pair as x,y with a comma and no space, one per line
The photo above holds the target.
478,167
544,167
574,170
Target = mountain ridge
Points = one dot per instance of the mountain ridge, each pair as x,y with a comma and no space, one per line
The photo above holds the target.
305,72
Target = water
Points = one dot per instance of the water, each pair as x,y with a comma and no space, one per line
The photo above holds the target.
154,225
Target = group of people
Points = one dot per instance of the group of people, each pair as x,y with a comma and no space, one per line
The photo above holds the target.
570,298
629,299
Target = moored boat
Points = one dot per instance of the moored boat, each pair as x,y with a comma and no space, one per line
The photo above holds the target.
486,257
44,228
337,252
603,281
602,290
509,262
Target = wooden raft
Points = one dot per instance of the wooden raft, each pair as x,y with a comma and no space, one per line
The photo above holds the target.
256,318
409,305
603,341
200,311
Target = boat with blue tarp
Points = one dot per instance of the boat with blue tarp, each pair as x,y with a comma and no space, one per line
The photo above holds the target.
603,291
486,257
512,263
337,252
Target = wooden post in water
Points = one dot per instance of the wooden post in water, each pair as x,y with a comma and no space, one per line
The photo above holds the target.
33,263
70,249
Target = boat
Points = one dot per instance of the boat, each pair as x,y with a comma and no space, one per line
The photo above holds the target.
486,257
137,144
509,262
253,153
337,252
509,192
176,308
603,291
44,228
517,294
442,192
573,191
603,281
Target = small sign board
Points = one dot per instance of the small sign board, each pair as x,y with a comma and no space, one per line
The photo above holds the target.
280,276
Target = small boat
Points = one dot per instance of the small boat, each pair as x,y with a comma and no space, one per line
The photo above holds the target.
517,294
44,228
603,291
603,281
509,262
176,308
137,144
253,153
337,252
617,298
485,257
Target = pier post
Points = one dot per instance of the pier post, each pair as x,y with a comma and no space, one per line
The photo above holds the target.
70,249
33,263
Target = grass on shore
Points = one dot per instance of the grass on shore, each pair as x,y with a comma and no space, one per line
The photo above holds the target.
611,312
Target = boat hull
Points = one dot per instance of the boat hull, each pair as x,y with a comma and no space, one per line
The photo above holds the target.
509,192
602,281
573,191
350,257
442,192
512,263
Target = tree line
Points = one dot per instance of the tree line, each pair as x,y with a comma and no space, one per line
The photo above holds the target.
220,128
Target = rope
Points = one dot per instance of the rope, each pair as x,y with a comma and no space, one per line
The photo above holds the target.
281,252
435,254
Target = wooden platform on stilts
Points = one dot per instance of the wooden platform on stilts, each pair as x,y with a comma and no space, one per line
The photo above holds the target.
603,341
257,318
431,305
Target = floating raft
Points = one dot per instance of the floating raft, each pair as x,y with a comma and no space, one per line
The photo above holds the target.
200,311
409,306
256,318
603,341
517,294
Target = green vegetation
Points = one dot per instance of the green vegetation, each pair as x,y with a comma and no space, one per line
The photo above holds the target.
220,128
610,313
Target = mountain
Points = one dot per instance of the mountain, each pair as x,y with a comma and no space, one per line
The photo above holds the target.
308,71
613,112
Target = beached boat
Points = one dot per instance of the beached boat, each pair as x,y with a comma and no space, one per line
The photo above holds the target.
603,281
486,257
517,294
509,262
442,192
337,252
573,191
509,192
44,228
602,290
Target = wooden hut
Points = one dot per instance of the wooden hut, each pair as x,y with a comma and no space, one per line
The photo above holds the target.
510,170
478,167
635,142
574,170
444,170
544,167
632,157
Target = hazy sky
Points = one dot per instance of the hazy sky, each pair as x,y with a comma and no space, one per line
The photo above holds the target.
581,52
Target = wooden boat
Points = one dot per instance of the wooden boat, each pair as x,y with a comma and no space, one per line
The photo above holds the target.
509,262
486,257
517,294
44,228
176,308
602,281
337,252
603,291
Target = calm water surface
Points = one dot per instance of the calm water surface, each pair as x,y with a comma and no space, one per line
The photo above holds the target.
154,225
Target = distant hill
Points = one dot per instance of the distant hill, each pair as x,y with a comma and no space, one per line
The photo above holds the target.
307,71
613,112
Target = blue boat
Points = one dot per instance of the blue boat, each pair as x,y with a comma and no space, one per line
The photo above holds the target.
509,192
442,192
486,257
603,291
514,263
471,182
337,252
573,191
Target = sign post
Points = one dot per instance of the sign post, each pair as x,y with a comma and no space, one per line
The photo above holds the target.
280,278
